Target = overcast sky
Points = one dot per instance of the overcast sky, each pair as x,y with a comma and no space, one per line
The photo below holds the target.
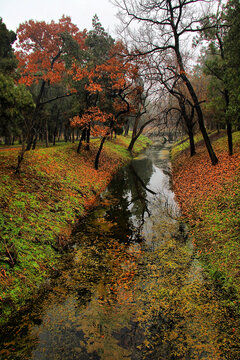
14,12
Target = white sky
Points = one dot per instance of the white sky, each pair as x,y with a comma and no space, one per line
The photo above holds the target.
14,12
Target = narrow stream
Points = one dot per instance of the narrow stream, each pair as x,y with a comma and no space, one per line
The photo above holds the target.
132,286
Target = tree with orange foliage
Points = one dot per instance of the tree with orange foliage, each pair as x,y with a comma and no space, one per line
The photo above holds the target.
104,84
41,54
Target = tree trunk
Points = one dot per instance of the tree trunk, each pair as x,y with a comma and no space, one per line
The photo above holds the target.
208,144
60,133
192,144
55,134
34,144
29,142
83,136
8,140
20,158
132,142
189,123
229,124
99,152
126,130
88,138
229,135
73,136
193,95
46,132
54,138
65,134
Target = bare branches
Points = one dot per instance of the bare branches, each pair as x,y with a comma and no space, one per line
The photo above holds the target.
161,28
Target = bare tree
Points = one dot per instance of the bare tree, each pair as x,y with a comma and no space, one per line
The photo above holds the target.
147,110
161,30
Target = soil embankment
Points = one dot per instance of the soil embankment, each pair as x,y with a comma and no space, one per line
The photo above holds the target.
39,207
210,201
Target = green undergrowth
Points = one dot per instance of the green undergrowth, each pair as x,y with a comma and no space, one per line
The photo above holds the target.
183,143
38,208
210,200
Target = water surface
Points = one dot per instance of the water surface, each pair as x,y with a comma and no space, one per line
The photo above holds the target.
132,286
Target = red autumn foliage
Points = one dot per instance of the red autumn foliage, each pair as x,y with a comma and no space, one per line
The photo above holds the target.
41,46
108,80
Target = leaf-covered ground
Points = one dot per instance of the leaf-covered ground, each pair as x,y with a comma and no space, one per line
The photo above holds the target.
210,200
39,207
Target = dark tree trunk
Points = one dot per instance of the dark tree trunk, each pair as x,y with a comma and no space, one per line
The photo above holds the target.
54,138
8,140
20,159
192,143
60,132
229,124
193,95
137,132
33,133
99,152
197,106
34,144
229,135
134,133
83,137
189,123
88,138
65,134
46,133
55,134
29,142
126,130
132,142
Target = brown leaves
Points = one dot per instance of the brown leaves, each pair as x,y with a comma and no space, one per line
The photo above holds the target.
197,178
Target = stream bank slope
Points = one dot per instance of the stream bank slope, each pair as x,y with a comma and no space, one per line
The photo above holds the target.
39,207
209,197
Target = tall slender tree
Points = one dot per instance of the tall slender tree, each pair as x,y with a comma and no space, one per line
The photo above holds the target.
162,28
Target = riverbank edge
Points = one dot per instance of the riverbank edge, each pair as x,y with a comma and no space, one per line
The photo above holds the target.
209,197
39,208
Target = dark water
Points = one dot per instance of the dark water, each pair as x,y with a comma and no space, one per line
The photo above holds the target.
132,286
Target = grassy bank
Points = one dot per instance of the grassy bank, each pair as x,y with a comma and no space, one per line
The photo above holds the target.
210,200
39,207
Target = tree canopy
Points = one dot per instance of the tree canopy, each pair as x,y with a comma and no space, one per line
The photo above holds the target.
97,78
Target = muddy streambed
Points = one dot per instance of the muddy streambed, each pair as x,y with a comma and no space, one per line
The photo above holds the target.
131,287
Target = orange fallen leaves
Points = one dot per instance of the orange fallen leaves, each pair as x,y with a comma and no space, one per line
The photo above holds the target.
196,178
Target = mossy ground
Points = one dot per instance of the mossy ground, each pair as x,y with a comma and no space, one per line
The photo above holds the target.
210,200
39,207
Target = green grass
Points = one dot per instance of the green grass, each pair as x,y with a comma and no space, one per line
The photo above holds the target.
210,199
183,143
39,207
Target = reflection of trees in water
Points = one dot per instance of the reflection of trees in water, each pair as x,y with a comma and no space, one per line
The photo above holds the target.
130,187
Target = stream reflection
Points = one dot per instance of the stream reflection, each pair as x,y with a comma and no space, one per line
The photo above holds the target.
131,288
